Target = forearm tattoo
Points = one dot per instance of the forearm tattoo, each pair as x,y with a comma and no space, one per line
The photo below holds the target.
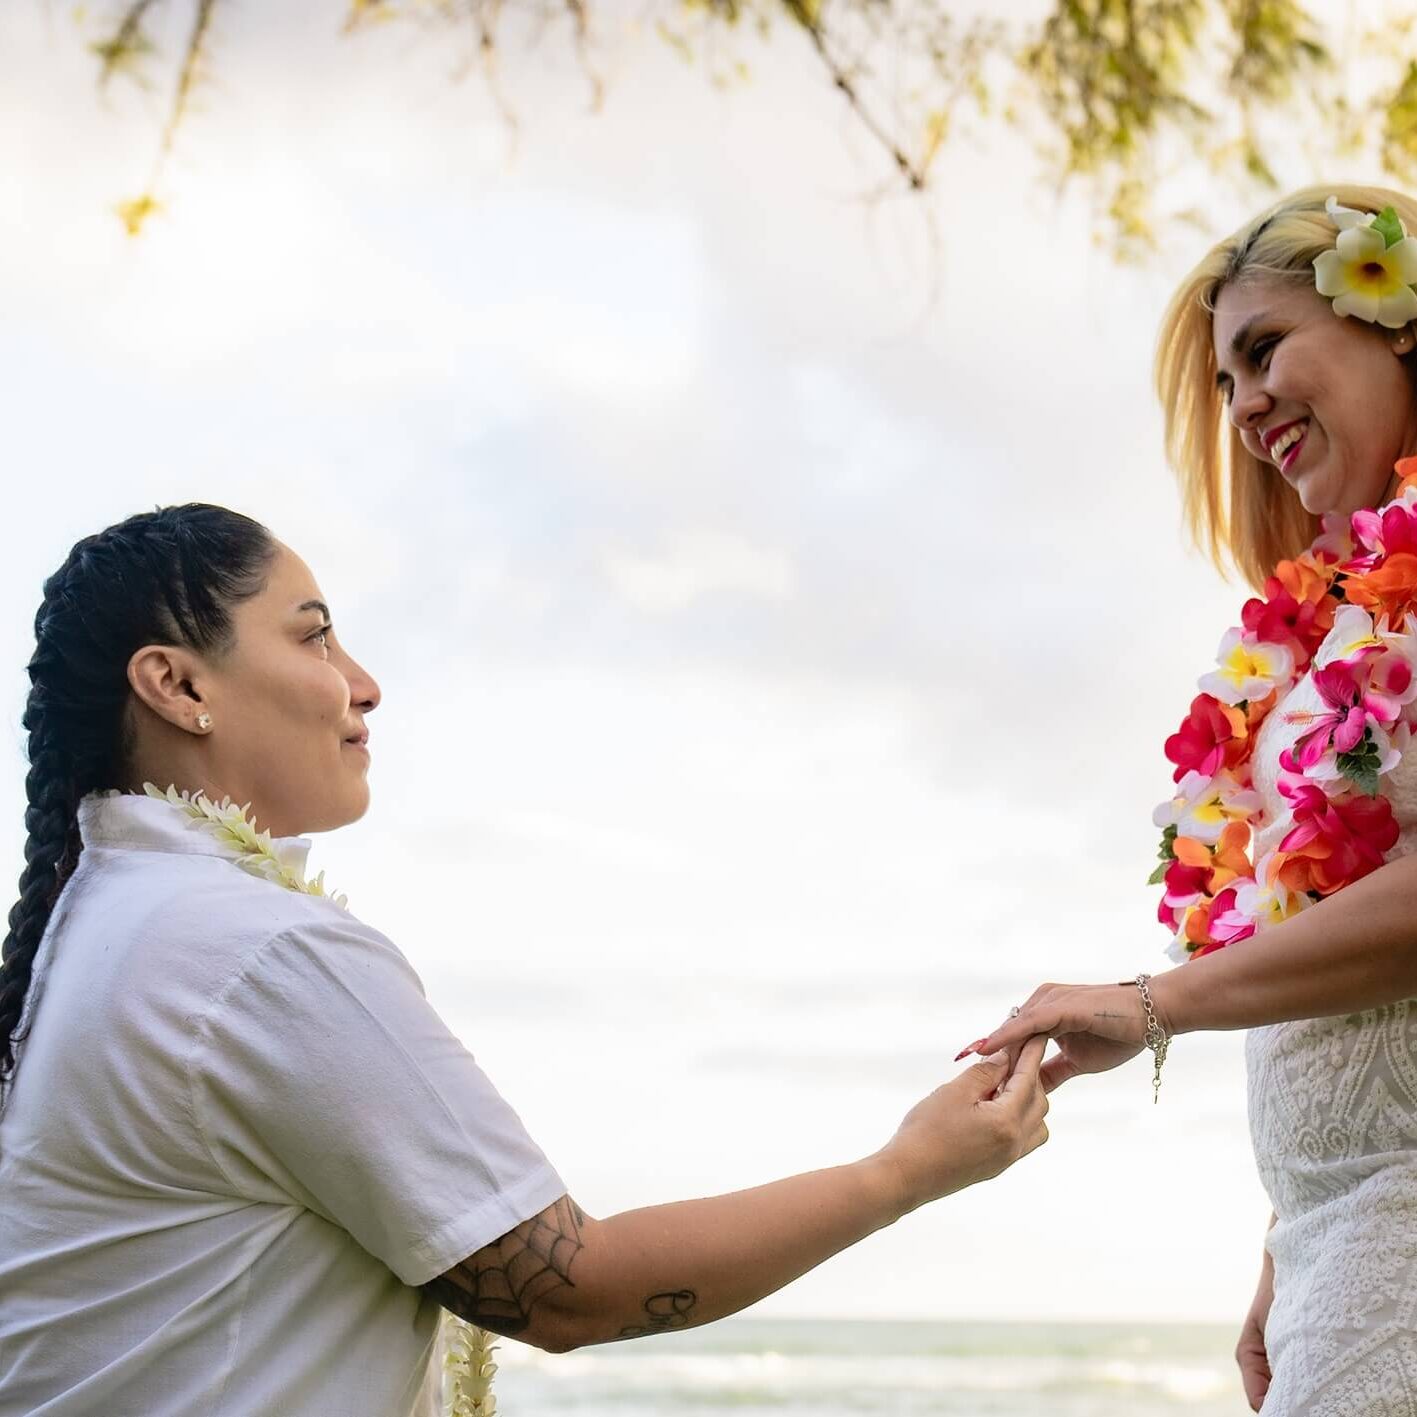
663,1312
499,1286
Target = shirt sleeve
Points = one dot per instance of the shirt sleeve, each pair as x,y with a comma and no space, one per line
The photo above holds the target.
321,1075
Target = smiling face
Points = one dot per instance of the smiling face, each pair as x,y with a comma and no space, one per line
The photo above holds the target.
284,704
1326,399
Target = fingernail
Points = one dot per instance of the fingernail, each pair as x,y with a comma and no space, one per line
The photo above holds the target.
967,1051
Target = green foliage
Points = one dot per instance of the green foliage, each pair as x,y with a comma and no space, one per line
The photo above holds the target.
1278,45
1109,71
1167,853
1116,93
1388,225
1360,766
1400,126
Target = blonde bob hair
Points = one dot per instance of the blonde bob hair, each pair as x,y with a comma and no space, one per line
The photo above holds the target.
1264,521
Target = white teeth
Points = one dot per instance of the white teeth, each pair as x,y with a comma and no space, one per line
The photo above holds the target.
1286,440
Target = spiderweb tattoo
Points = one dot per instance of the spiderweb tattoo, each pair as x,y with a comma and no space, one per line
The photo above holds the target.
498,1287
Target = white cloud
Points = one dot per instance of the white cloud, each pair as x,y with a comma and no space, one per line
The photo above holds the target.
696,565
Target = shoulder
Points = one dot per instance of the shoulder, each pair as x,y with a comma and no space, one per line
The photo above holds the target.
320,967
173,897
166,933
194,936
208,908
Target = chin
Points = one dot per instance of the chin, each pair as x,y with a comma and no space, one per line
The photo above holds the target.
1339,490
353,808
1320,494
338,814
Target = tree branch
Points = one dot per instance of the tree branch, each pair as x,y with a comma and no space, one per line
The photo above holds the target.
807,15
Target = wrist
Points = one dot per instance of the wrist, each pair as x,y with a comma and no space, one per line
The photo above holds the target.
1168,998
886,1181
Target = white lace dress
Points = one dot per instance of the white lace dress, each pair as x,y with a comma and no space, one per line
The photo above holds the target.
1333,1119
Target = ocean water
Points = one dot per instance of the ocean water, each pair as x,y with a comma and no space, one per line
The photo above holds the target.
766,1368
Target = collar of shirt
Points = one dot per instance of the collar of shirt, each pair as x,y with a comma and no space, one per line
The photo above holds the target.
135,822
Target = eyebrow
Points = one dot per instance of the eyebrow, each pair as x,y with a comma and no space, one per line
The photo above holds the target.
314,605
1237,340
1237,343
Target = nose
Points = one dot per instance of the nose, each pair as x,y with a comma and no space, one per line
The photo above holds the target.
364,692
1249,403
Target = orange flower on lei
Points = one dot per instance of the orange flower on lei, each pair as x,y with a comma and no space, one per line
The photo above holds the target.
1389,588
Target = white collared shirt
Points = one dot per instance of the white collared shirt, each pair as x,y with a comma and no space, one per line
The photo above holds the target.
237,1137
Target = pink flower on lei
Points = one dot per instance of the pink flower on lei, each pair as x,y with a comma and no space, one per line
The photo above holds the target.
1335,541
1386,532
1213,735
1349,715
1296,611
1228,923
1364,680
1393,675
1254,903
1334,840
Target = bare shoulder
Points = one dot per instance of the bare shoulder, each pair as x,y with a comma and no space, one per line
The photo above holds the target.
500,1286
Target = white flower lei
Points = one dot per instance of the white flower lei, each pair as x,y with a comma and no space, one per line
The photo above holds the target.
468,1361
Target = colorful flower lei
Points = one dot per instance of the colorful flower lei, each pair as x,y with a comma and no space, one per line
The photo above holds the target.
468,1362
1346,609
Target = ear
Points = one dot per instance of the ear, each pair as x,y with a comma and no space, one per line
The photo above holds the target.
161,677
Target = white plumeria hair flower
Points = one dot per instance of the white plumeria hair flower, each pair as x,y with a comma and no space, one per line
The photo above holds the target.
1371,270
1344,217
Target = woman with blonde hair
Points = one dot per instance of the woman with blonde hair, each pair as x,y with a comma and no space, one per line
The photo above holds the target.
1286,368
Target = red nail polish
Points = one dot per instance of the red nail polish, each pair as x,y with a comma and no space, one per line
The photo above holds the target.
968,1050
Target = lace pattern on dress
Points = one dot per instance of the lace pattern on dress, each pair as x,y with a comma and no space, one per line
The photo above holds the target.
1333,1121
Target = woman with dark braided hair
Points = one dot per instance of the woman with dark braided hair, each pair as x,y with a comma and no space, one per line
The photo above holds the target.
244,1164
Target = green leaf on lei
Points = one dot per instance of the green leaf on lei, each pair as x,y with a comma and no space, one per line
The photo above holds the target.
1360,766
1167,853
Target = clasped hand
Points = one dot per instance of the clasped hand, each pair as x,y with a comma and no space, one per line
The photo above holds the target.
1096,1027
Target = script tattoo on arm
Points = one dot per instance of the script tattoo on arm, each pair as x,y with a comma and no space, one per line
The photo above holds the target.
498,1287
663,1312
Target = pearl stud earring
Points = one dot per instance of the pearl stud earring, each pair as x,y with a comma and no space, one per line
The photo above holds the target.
204,720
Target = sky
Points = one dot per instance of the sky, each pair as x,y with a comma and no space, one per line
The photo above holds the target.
777,593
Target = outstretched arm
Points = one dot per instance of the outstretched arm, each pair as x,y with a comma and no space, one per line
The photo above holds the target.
564,1279
1355,950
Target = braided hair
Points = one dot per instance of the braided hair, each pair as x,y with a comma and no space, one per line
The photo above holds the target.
169,576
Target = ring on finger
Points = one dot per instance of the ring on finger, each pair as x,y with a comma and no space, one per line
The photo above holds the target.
1015,1011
